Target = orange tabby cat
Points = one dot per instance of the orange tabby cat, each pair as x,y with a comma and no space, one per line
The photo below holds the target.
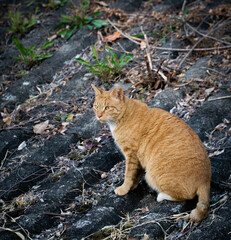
158,143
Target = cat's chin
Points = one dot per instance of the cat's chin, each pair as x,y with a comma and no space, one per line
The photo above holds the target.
101,120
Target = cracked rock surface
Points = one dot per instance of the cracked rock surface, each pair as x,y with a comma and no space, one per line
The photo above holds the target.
59,183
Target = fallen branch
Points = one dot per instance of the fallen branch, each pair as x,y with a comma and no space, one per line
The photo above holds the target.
184,84
56,214
213,70
23,229
20,125
190,49
215,27
4,159
219,98
167,48
13,231
158,71
205,35
189,52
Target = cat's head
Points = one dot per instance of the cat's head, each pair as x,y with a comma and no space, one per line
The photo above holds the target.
108,105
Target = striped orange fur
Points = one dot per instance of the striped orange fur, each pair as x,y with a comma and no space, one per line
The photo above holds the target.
160,144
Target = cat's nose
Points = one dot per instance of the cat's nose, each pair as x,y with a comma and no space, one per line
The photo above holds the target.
99,115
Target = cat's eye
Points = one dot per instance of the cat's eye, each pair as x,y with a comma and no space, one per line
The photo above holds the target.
107,107
95,106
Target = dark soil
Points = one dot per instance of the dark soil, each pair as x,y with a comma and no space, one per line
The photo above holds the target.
58,183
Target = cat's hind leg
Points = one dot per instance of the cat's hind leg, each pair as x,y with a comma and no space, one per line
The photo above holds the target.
163,196
137,179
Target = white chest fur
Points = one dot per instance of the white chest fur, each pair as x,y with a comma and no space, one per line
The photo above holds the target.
112,126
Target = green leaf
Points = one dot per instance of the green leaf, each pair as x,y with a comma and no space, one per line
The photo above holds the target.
142,35
63,33
95,54
125,58
30,49
32,23
70,32
114,55
96,14
99,23
58,26
66,19
80,60
18,58
47,44
20,47
94,70
163,40
87,20
89,26
44,56
185,11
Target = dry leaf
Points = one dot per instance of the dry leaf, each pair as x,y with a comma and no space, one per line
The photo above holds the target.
63,128
216,153
22,145
102,3
220,126
181,75
6,117
53,37
112,37
40,127
103,175
143,45
209,91
226,121
70,117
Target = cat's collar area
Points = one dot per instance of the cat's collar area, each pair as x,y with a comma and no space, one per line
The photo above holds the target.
112,126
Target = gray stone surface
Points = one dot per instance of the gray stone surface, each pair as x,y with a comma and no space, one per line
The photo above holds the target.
167,98
44,166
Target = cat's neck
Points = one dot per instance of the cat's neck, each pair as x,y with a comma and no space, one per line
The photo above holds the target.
130,106
112,126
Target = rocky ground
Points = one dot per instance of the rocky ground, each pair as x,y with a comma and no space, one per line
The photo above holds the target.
59,166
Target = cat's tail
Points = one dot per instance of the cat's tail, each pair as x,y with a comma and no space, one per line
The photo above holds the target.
202,208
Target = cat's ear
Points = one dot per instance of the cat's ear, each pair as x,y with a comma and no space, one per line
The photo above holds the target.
117,93
97,90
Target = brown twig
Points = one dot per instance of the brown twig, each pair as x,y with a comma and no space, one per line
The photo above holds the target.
213,70
24,230
190,49
4,159
185,84
219,98
123,34
205,35
167,48
56,214
200,40
28,121
147,49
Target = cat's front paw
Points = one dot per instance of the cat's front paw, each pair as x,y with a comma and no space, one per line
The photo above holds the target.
122,190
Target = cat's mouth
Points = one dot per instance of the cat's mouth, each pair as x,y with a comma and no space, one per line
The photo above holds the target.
100,119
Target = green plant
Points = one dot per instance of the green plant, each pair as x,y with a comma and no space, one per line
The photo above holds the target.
65,118
54,4
29,55
19,23
80,17
108,67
